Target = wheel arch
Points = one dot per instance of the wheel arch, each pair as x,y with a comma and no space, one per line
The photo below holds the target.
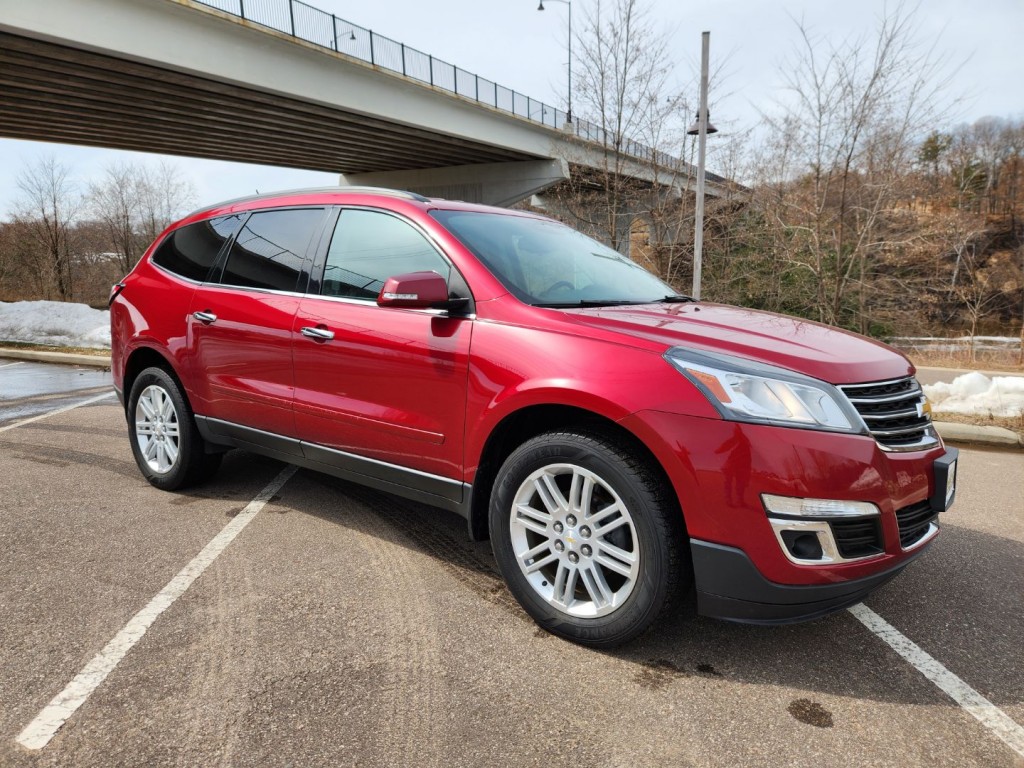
141,358
527,422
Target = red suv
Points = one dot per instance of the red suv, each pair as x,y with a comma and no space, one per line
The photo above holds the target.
616,441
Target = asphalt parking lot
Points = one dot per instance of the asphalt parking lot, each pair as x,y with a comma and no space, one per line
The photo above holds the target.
346,627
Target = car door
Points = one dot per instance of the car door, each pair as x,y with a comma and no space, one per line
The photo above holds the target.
381,391
241,320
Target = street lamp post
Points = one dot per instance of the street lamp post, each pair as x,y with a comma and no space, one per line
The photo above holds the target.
568,113
701,128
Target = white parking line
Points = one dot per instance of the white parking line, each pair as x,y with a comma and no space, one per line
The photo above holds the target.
11,365
987,713
55,411
38,733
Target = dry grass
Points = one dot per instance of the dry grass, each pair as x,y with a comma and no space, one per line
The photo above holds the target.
1008,362
91,351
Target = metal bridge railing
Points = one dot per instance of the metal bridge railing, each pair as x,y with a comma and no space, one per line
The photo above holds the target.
303,21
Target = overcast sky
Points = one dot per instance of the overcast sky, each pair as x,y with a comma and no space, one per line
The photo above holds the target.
511,42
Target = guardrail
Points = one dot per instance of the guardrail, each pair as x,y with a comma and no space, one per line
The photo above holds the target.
313,25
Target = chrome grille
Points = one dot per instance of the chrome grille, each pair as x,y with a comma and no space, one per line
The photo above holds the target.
894,413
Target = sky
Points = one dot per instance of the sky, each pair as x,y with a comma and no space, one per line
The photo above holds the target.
510,42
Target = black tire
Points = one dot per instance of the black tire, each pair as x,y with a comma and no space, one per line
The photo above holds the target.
191,463
653,535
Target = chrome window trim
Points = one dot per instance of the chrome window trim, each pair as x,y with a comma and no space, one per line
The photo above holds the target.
339,299
372,303
175,275
251,289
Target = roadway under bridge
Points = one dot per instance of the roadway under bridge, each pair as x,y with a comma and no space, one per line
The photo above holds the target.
179,77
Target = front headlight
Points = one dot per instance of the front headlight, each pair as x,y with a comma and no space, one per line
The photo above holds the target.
743,390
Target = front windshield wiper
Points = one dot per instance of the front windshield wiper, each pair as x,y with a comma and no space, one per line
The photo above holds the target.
675,298
590,303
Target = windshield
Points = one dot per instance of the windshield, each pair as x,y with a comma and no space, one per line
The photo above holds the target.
548,264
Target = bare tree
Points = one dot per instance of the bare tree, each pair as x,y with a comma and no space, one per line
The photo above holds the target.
855,111
47,210
164,195
622,91
135,203
115,202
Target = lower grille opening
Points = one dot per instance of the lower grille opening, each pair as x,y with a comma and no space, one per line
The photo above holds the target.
914,522
860,537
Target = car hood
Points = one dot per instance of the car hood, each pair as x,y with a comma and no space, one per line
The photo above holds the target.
807,347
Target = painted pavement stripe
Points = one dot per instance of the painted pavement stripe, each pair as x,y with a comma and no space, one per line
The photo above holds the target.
55,411
983,710
38,733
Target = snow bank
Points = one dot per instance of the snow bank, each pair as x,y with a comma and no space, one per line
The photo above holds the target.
977,394
55,323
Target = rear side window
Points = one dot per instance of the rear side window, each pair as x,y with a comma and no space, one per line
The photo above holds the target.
191,250
270,249
369,247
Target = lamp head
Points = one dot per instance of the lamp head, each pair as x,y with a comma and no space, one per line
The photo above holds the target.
694,129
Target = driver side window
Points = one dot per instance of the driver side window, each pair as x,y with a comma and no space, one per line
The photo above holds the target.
368,247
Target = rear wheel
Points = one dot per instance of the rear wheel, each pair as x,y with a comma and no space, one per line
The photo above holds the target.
587,535
166,444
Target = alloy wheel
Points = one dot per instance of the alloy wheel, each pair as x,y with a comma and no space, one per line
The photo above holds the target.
157,429
574,540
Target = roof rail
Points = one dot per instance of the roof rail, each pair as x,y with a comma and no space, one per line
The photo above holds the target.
402,193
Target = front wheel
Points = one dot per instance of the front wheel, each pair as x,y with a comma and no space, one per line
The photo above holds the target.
587,535
166,444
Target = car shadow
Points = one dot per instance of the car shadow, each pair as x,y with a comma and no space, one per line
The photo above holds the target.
832,655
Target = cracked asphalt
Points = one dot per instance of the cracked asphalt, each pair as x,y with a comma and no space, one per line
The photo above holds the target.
348,627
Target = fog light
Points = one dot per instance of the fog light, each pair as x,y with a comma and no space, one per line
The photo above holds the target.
803,546
806,542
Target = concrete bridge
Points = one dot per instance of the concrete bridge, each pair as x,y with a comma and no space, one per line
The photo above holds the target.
292,87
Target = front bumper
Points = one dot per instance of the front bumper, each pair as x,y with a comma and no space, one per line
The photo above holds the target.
730,587
719,470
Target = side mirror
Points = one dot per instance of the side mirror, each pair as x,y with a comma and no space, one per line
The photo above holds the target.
414,290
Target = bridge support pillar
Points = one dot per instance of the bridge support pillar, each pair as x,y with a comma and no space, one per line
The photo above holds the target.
501,184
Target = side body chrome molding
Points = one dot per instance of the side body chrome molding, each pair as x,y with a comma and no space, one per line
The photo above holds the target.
424,487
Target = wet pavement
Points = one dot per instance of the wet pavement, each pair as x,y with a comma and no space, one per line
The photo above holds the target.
28,389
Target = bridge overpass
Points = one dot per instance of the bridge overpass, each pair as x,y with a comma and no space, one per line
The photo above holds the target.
289,85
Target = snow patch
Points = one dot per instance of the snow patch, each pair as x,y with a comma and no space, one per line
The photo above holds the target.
976,394
54,323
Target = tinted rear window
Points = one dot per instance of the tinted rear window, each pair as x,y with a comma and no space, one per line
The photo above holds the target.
270,249
190,251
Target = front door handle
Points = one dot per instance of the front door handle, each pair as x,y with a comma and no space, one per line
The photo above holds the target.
205,317
318,334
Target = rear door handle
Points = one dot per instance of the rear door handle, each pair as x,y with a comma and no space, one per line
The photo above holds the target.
205,317
319,334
